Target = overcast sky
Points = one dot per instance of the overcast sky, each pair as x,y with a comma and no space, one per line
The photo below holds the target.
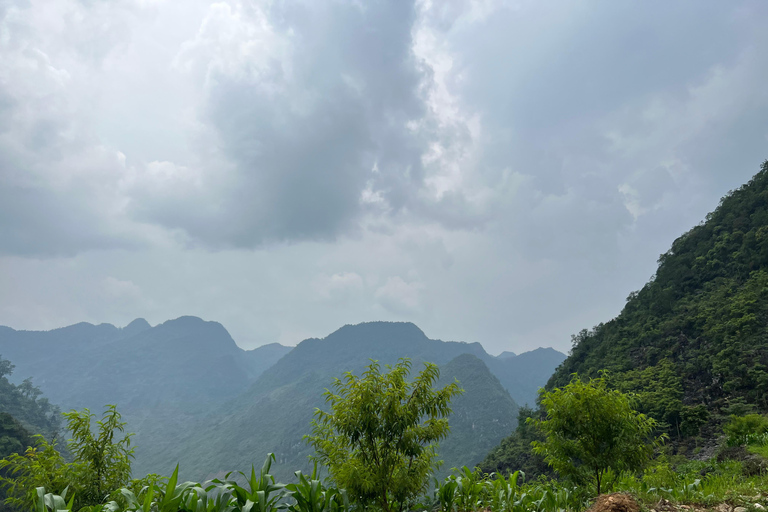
501,172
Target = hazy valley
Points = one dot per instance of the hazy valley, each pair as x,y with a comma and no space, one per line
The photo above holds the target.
227,407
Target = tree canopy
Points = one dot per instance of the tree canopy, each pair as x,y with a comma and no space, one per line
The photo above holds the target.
590,429
26,404
378,439
700,325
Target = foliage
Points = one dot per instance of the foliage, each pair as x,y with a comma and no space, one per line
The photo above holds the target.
101,463
514,452
590,429
310,495
378,439
39,466
25,403
469,490
743,429
705,483
14,438
258,494
700,325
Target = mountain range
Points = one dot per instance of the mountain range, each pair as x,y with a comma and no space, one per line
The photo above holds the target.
193,396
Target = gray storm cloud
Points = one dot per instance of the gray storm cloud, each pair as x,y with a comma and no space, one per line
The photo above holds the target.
477,167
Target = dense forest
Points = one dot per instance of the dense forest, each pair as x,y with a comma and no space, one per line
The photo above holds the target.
23,413
692,344
23,408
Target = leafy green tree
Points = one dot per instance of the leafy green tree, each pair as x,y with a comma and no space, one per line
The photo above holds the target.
378,440
39,466
25,403
590,429
102,463
105,463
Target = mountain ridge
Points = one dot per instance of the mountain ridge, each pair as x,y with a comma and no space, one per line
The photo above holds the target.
188,376
692,344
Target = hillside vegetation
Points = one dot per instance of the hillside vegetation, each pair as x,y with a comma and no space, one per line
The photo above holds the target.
275,413
692,344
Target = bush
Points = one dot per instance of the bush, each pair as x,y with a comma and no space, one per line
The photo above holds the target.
102,464
592,431
378,440
741,428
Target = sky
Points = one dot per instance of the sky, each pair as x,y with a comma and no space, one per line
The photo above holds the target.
505,172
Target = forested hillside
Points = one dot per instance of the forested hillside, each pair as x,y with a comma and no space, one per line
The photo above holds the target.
700,326
228,407
23,413
24,408
693,342
275,413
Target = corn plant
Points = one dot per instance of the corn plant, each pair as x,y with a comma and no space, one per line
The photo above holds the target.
262,494
470,489
503,491
445,495
45,502
310,495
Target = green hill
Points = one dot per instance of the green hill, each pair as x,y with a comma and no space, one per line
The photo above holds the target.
275,413
24,409
697,333
192,395
693,342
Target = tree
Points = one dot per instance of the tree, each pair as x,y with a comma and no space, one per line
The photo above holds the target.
101,463
378,440
590,429
25,403
104,462
514,452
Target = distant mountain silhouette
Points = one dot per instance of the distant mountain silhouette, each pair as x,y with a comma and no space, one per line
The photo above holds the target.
275,413
182,361
193,396
524,374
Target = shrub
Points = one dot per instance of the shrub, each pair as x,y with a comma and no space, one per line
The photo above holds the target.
378,440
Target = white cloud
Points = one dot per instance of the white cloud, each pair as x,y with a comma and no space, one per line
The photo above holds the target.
399,296
339,286
496,171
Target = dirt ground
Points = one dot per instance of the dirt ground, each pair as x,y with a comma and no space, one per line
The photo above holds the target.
616,502
620,502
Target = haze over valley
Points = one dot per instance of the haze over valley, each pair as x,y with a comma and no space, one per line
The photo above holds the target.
527,240
189,377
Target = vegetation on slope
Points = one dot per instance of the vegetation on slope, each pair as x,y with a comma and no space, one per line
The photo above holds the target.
368,424
227,440
699,327
26,405
692,344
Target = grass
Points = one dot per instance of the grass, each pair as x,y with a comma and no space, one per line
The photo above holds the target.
703,484
697,484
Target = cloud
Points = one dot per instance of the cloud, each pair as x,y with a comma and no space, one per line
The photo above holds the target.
339,287
303,101
399,296
495,170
